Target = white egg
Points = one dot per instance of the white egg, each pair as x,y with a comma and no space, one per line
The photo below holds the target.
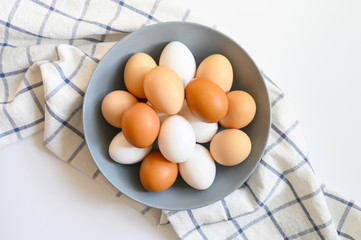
204,131
178,57
123,152
199,171
176,139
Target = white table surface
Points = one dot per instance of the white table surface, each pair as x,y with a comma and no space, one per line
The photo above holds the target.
311,49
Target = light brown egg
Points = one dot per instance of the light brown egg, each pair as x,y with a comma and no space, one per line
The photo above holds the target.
157,173
241,110
206,100
140,125
135,69
230,147
164,90
114,105
218,69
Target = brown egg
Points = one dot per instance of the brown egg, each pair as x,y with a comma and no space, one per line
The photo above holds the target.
241,110
230,147
164,89
114,105
218,69
206,100
140,125
157,173
135,69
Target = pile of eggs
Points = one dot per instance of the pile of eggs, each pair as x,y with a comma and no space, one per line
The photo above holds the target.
180,107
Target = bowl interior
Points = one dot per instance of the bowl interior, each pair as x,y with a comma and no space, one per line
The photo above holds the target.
108,76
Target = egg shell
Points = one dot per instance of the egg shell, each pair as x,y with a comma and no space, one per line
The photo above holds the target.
156,173
164,89
206,100
140,125
230,147
135,69
204,131
199,171
114,105
178,57
161,115
176,139
241,110
218,69
121,151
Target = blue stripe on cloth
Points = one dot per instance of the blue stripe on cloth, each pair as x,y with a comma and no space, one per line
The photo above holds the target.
277,209
28,56
8,25
118,194
269,80
40,3
76,25
24,90
235,223
33,95
7,45
278,98
196,225
2,74
95,175
75,153
283,135
140,12
351,204
42,26
269,213
279,140
67,80
57,131
345,235
186,15
12,73
344,216
18,129
66,124
145,210
295,194
152,11
310,230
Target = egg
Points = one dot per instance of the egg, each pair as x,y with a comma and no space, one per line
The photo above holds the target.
199,171
134,71
164,89
206,100
121,151
241,110
156,173
204,131
176,139
218,69
178,57
140,125
114,105
161,115
230,147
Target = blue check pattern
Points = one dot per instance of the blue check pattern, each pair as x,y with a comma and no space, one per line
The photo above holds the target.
282,199
48,51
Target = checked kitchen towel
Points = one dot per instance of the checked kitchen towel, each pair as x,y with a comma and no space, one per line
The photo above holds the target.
48,51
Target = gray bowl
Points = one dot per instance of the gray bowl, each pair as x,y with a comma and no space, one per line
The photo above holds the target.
108,76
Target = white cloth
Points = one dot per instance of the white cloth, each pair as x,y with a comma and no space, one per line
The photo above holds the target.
48,51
